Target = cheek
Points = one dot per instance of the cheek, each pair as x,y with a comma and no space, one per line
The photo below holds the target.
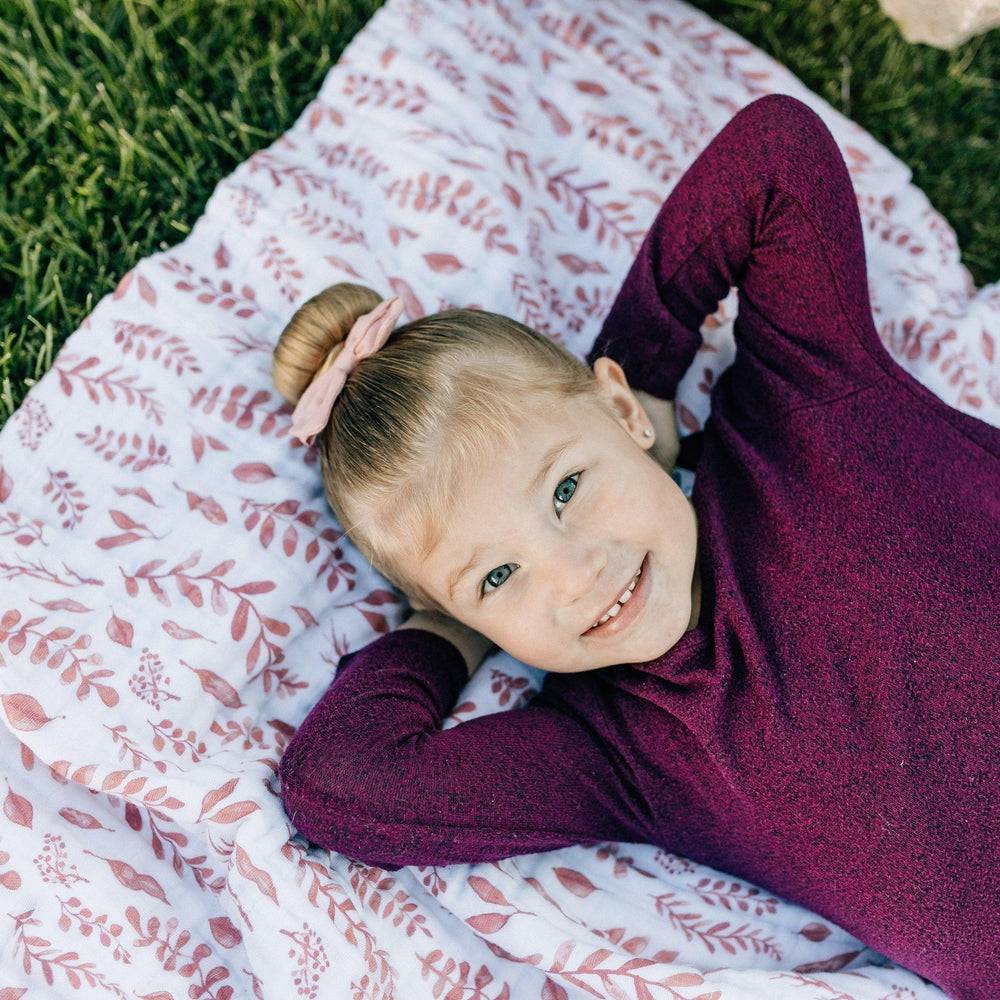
611,494
631,491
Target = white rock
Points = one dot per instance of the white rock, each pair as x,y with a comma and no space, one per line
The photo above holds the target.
942,23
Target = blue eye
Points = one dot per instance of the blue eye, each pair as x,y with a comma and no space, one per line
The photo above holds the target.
486,579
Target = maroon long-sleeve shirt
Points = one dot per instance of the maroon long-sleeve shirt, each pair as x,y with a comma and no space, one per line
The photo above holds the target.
830,729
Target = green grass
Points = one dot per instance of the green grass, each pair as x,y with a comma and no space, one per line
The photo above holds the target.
119,118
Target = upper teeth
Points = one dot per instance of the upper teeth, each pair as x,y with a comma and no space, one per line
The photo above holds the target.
623,599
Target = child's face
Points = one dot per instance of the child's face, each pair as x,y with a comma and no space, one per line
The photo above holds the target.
553,559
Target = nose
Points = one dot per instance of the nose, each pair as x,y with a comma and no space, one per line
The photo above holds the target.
574,577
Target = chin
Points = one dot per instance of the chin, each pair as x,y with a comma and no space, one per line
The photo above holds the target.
667,640
671,642
576,668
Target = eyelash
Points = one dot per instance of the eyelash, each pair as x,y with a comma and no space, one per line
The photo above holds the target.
577,476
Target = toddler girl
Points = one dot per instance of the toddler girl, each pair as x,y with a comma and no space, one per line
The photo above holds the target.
801,683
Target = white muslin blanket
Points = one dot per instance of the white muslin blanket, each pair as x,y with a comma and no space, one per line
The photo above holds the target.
177,594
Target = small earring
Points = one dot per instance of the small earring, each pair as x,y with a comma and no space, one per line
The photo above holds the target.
648,432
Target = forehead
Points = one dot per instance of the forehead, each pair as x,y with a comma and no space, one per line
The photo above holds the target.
510,471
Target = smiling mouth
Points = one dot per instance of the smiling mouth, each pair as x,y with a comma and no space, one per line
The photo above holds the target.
626,612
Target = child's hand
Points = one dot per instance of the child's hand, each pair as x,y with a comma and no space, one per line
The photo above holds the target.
473,645
663,416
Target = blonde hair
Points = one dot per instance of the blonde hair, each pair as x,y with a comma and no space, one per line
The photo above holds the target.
433,406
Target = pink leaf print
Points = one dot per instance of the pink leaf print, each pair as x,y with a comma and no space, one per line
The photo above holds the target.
190,591
147,291
239,623
443,263
252,653
815,932
40,652
132,815
113,541
577,265
833,964
273,625
208,507
217,687
381,596
82,775
377,622
133,786
267,532
221,256
560,125
114,779
215,796
120,631
234,811
58,769
590,87
17,808
256,875
132,879
122,286
860,158
218,599
575,881
413,310
487,923
136,491
684,979
687,419
24,712
256,587
343,265
176,631
64,604
513,195
198,444
485,889
225,932
305,615
253,472
81,819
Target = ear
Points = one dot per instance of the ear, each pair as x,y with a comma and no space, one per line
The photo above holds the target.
415,605
617,394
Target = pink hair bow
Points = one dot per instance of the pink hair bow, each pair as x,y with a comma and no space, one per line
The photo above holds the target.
368,334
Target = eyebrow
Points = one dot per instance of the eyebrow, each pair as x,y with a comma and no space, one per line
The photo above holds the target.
548,460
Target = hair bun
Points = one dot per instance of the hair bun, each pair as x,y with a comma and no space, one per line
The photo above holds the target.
331,355
311,339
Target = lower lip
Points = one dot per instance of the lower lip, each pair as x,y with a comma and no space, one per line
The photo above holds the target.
630,610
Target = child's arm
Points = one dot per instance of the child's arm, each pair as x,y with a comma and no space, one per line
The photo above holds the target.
767,206
371,774
471,644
